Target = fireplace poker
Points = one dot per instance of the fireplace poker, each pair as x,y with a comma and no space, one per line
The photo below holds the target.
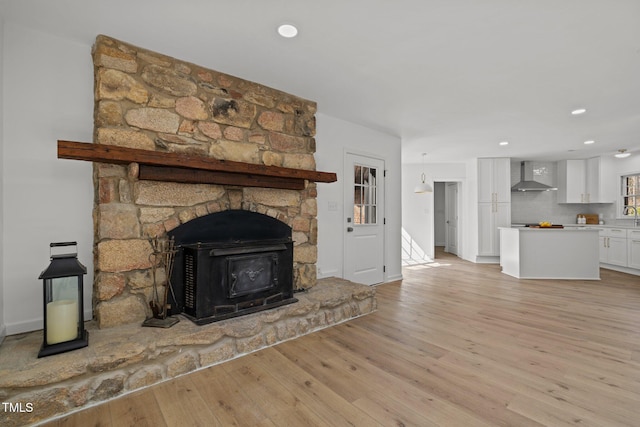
153,259
169,255
163,255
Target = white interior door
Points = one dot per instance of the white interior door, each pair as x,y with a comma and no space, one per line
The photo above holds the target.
364,219
451,214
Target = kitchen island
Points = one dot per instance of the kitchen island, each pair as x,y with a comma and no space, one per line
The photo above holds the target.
550,253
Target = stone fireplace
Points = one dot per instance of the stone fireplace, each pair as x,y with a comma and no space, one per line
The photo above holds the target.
149,101
231,263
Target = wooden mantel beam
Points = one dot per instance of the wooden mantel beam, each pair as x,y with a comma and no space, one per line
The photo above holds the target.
199,176
182,167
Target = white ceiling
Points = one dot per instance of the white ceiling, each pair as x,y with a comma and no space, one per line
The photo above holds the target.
451,78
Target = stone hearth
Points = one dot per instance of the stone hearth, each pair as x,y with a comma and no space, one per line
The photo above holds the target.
126,358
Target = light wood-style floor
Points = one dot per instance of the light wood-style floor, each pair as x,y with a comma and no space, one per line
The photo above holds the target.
454,344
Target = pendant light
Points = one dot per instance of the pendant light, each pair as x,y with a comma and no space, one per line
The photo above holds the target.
622,153
423,187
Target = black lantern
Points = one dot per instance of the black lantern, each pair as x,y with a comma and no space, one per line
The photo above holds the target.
63,303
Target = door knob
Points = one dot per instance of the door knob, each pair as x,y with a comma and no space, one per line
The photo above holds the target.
349,229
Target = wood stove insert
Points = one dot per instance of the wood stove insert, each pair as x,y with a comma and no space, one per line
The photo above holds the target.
231,263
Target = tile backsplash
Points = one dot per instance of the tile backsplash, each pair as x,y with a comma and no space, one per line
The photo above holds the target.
536,206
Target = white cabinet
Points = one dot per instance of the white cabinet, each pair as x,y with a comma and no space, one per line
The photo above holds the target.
633,248
580,181
494,203
617,249
571,181
494,180
594,182
620,247
613,246
604,254
490,217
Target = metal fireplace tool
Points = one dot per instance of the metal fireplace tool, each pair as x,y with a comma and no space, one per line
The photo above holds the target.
163,255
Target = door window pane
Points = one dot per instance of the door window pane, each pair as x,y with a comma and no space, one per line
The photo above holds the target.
365,195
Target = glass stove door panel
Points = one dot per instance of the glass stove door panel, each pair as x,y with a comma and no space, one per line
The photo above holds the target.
250,274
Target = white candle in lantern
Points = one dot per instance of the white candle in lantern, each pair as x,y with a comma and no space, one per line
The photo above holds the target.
62,321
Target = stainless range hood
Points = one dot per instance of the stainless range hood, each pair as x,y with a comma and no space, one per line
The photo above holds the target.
526,180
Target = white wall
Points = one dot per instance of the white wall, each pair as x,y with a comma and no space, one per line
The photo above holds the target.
334,137
3,328
48,95
418,209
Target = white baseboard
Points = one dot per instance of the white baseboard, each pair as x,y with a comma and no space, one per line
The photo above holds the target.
25,326
35,324
394,278
327,273
487,259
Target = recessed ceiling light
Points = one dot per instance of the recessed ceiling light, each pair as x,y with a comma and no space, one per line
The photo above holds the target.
622,153
579,111
589,142
287,30
504,143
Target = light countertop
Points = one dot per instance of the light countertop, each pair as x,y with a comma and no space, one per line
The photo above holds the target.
583,228
624,227
597,226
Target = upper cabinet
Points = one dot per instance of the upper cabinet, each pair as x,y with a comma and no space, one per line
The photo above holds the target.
572,184
494,180
595,182
580,181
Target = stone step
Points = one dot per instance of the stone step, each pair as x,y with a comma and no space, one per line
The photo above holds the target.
125,358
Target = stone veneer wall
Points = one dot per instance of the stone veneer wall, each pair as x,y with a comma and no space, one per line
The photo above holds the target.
150,101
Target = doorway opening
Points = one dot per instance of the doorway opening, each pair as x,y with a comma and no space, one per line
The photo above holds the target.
446,218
